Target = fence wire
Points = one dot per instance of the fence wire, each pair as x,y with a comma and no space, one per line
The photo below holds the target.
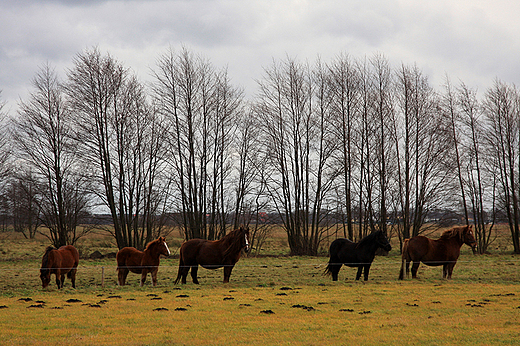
258,271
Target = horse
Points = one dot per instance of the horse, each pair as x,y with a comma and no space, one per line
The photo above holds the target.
129,259
360,255
59,262
212,254
439,252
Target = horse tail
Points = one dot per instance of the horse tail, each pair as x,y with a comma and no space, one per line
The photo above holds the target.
327,269
181,264
333,258
404,258
120,259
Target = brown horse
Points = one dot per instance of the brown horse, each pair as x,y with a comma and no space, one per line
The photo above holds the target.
59,262
440,252
130,259
212,254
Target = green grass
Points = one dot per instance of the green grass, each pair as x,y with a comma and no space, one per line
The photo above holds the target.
479,306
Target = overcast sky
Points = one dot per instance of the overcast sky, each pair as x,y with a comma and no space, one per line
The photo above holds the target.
472,41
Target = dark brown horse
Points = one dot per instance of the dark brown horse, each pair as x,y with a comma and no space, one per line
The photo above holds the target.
129,259
59,262
212,254
439,252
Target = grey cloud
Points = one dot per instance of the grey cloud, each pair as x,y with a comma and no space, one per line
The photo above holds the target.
476,43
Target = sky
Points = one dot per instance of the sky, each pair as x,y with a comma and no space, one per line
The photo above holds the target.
470,41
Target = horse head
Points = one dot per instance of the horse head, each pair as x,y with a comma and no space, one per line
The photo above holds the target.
45,271
382,241
45,276
468,238
163,247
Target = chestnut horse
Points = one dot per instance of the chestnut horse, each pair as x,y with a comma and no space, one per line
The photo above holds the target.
212,254
440,252
129,259
59,262
360,255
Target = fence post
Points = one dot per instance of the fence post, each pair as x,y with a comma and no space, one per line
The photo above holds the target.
102,276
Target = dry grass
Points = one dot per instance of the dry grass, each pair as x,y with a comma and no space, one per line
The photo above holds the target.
375,313
480,306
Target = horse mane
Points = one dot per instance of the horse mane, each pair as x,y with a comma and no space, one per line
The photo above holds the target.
235,241
45,260
153,243
453,232
367,239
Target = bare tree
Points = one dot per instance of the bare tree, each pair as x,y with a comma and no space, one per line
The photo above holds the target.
502,113
481,183
383,112
366,147
202,109
294,110
252,206
120,139
42,133
423,150
24,204
4,168
450,108
5,151
247,166
345,110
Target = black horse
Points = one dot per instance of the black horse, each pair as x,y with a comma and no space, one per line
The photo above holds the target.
360,255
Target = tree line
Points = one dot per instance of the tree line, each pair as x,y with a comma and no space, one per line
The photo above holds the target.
339,148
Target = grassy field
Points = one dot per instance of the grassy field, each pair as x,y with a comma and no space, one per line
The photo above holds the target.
269,301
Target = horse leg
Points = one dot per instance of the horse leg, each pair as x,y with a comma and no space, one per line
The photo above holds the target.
333,267
334,270
359,271
367,270
444,271
415,267
227,272
72,277
120,280
184,273
58,275
194,271
449,270
144,272
154,276
61,280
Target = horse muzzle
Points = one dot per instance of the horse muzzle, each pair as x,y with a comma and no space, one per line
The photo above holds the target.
45,282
